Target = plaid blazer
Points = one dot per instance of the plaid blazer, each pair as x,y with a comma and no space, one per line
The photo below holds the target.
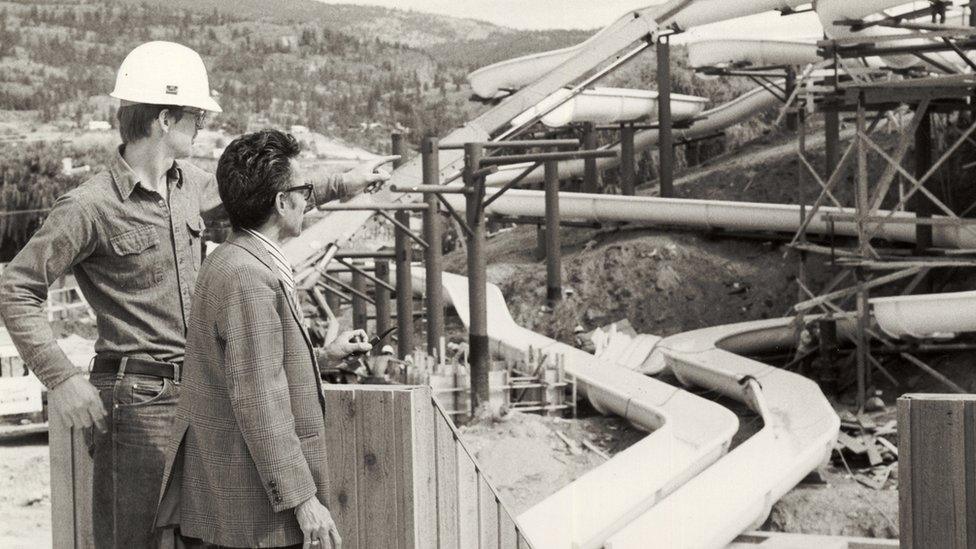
248,441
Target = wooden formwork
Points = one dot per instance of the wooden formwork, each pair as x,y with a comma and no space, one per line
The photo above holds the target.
401,477
937,471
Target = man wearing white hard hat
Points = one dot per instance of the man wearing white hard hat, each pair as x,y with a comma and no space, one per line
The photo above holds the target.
131,235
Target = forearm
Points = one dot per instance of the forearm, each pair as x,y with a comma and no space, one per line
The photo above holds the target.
23,295
330,187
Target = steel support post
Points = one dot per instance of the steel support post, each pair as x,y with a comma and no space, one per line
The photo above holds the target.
591,182
478,351
433,260
359,311
832,141
404,286
540,241
334,301
628,164
665,176
921,204
791,117
382,298
554,286
863,339
396,147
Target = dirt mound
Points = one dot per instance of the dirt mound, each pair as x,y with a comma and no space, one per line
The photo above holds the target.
526,461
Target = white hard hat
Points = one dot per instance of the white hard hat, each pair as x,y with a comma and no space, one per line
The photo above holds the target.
164,73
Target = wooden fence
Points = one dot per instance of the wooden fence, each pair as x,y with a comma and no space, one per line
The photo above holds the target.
937,471
401,478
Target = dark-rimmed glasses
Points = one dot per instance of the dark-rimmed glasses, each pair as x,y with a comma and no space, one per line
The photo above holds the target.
306,188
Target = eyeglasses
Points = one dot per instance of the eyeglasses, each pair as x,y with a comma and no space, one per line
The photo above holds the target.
199,115
306,190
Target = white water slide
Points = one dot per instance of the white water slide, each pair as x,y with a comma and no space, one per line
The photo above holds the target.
677,487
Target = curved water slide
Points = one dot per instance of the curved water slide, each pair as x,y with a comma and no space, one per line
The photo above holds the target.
708,122
687,433
645,493
513,74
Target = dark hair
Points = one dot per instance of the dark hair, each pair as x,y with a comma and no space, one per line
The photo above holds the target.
135,120
251,172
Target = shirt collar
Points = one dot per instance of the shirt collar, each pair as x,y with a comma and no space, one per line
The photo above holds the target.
273,248
126,179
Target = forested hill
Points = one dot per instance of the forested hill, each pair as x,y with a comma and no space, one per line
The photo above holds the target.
334,68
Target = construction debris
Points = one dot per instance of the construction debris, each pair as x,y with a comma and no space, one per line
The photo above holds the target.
864,449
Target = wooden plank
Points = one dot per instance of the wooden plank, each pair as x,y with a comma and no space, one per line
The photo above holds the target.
467,489
906,524
487,515
447,484
507,535
420,473
62,485
377,471
340,436
937,452
403,421
83,468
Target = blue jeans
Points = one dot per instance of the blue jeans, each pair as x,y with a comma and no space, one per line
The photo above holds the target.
129,458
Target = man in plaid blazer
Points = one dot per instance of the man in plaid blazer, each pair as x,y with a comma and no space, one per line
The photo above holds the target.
246,466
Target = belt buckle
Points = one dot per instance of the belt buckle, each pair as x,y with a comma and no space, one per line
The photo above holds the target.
177,373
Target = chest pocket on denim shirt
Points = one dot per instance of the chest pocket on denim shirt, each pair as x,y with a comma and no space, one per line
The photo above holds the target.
137,260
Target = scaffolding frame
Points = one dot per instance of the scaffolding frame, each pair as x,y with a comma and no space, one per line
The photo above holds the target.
865,265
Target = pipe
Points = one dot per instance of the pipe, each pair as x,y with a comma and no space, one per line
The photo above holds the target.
710,215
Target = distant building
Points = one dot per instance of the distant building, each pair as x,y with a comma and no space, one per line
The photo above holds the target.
288,43
99,126
67,167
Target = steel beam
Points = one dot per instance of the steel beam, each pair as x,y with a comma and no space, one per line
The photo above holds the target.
433,259
665,138
382,298
404,286
478,354
590,173
359,311
628,177
554,290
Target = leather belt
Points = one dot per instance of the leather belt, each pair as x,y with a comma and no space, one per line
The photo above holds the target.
111,365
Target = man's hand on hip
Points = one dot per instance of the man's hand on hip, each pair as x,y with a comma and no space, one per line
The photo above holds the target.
317,526
365,175
347,343
75,402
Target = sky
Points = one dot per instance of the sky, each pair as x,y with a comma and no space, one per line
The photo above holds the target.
586,14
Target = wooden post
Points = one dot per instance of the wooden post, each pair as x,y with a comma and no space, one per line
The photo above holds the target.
554,290
937,471
71,487
399,477
359,312
540,242
404,286
433,260
591,176
665,141
628,177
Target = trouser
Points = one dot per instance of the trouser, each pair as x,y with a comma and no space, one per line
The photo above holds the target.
197,543
129,458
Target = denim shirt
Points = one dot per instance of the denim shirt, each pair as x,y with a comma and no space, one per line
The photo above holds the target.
135,257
